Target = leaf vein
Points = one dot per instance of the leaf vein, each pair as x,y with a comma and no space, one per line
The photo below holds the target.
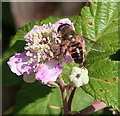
103,81
100,35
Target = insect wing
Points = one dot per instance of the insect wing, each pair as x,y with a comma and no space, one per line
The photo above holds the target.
95,45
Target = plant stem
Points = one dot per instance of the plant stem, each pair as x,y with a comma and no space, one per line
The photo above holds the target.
63,93
71,98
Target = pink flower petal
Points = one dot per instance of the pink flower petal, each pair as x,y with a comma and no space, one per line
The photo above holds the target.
83,42
18,64
65,20
97,105
68,58
12,64
49,71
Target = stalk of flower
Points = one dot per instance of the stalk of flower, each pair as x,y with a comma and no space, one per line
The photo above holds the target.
78,77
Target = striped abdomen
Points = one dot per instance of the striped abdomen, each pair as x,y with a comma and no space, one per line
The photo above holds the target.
77,52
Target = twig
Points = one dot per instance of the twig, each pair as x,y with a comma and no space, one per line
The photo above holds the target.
55,107
63,93
53,84
71,98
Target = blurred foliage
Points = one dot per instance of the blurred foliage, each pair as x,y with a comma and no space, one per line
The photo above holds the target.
8,26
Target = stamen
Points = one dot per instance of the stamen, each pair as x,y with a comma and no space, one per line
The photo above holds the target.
39,43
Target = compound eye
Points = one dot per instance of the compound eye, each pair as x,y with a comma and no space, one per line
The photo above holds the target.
62,26
59,27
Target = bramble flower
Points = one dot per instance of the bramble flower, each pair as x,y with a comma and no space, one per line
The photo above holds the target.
40,60
78,76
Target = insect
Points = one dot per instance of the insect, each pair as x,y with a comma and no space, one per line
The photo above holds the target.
70,41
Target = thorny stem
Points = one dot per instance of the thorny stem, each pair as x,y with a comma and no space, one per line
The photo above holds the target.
71,98
63,92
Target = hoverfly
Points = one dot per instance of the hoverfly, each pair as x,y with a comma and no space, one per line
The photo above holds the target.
70,41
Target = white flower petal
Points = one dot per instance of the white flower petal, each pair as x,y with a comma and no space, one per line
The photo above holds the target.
75,79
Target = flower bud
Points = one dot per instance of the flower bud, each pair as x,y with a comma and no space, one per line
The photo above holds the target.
29,78
78,76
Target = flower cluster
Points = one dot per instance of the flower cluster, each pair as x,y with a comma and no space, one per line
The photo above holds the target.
38,61
38,45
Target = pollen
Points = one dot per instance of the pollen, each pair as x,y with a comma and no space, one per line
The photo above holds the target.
29,54
51,54
39,43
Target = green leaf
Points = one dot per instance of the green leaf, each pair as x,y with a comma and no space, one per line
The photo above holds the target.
103,69
37,98
81,100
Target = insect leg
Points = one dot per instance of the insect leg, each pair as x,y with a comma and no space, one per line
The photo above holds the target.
61,49
65,51
83,63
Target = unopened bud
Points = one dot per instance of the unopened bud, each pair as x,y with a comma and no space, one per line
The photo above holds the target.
78,76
